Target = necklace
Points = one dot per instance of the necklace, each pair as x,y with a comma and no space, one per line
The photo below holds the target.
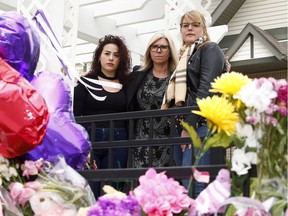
101,74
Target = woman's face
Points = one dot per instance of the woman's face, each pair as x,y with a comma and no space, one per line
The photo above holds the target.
160,51
191,30
109,59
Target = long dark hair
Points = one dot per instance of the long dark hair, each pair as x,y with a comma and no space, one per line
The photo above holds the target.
124,54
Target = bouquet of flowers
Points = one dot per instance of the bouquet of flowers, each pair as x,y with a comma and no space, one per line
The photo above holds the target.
40,188
158,195
248,115
252,115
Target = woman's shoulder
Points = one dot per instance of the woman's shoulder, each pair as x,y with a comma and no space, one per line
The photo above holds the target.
210,45
136,72
136,68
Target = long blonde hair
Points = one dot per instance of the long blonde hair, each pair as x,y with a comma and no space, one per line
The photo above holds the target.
198,17
173,59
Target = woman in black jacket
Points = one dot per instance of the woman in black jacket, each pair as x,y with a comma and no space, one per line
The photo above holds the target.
145,91
201,62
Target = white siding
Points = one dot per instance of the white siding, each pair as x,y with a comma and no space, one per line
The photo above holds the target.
261,51
243,53
213,6
265,14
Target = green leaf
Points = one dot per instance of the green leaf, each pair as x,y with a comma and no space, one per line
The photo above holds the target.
279,206
142,213
239,143
237,184
218,140
193,134
282,145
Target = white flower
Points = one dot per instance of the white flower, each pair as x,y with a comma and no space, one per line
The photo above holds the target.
6,171
252,157
3,168
252,116
243,131
248,134
51,204
258,97
240,162
12,171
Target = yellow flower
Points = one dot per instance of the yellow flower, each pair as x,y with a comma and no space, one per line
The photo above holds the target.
219,112
229,83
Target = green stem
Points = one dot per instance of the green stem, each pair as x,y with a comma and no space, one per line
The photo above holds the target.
198,156
201,151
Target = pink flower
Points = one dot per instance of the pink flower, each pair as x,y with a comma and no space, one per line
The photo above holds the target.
159,195
22,193
282,100
16,189
32,167
25,195
33,185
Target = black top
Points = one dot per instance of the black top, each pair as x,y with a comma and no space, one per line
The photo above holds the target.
84,104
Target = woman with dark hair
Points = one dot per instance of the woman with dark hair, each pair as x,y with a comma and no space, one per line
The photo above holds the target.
102,91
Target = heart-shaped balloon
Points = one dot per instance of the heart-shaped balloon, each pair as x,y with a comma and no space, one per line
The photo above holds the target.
23,113
64,136
19,43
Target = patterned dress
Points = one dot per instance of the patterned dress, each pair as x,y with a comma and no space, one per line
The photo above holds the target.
149,97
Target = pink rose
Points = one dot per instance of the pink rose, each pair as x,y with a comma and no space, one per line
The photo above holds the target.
16,189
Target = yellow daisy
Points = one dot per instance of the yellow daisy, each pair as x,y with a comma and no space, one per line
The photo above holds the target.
229,83
219,112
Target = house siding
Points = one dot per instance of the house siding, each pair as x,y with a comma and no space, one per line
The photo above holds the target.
213,6
265,14
259,50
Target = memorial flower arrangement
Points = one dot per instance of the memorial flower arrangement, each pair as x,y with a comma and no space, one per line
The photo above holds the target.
250,115
40,188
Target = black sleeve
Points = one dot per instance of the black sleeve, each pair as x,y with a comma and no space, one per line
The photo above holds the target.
79,101
211,66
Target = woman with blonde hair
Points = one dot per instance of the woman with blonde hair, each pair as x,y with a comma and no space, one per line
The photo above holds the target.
145,91
200,63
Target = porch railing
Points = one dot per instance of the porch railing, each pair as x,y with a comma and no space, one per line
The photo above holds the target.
132,174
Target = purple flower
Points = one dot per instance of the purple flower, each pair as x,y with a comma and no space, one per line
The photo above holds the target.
113,206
